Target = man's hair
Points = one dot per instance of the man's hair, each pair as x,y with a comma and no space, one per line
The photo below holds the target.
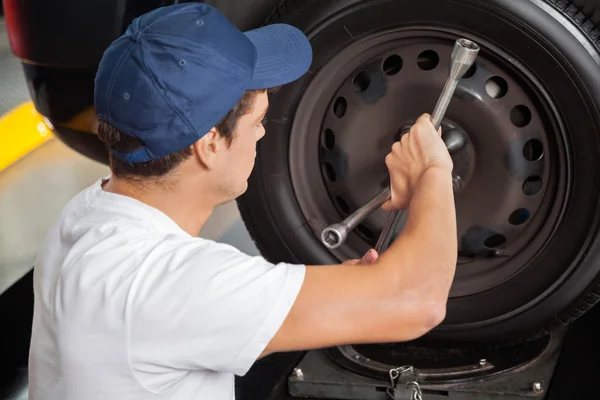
121,142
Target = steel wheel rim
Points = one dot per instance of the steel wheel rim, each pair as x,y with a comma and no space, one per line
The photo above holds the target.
318,153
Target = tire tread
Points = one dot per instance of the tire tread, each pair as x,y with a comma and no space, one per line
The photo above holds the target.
584,21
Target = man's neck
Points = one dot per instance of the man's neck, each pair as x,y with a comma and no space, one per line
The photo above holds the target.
178,201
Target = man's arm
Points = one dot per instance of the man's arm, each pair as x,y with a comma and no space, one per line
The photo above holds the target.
400,297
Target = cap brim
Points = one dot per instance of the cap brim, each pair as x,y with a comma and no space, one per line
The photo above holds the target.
284,54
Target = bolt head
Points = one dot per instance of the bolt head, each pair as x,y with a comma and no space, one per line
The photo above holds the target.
298,373
482,362
537,387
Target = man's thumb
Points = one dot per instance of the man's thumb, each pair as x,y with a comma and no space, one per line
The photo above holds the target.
387,206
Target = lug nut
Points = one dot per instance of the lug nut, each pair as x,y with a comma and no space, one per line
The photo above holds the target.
455,140
456,182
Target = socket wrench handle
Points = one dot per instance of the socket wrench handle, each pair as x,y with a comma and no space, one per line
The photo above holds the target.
463,56
334,235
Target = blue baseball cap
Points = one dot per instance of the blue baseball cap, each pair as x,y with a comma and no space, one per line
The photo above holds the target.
178,70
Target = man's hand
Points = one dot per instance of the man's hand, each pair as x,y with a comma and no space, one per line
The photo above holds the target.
369,258
419,150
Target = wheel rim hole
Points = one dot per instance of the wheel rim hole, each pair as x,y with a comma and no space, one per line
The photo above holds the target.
343,206
470,72
428,60
361,81
339,107
496,87
532,185
329,139
519,216
329,172
494,241
392,65
533,150
520,116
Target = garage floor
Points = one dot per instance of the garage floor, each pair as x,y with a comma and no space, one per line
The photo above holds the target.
34,190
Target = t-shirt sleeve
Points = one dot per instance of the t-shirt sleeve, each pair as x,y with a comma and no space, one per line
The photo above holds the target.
196,304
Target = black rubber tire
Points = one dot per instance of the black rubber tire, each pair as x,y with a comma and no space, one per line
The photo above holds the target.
564,281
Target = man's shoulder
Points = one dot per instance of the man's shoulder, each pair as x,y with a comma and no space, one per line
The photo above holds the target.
93,227
97,231
94,210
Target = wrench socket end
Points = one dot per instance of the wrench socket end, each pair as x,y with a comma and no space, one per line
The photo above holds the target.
464,55
333,236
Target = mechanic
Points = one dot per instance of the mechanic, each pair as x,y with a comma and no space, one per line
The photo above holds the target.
131,304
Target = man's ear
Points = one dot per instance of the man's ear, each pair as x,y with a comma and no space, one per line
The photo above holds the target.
208,147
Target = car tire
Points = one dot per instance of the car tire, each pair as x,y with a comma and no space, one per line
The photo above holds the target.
543,273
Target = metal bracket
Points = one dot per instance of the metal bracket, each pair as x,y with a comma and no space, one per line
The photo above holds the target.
404,384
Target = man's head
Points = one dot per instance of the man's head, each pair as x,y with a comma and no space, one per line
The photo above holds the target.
228,150
184,85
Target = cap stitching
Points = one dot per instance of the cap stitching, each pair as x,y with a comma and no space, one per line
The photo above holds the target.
207,46
180,12
162,94
289,66
113,78
193,9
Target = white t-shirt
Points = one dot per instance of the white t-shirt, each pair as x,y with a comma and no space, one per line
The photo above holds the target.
128,306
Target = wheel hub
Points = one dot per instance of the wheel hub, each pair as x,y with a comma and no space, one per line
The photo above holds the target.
460,149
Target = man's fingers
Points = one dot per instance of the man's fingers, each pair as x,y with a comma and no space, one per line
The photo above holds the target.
424,117
387,206
370,257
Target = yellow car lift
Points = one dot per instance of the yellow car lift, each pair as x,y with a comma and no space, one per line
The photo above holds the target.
22,130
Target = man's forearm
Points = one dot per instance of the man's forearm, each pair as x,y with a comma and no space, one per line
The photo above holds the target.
400,297
426,250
